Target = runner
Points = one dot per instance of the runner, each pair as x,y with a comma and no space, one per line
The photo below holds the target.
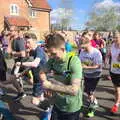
115,70
3,69
67,79
39,60
18,52
77,38
91,59
101,45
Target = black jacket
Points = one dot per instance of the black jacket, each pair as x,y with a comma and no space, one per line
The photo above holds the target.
3,65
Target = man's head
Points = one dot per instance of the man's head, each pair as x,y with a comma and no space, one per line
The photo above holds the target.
20,34
55,44
30,43
96,36
116,37
85,40
87,34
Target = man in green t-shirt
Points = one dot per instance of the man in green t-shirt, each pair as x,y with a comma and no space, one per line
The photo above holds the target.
66,83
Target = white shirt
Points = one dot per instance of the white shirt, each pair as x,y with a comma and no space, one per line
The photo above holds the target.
115,63
91,59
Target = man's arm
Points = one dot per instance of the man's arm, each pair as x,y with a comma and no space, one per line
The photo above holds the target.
91,67
66,89
34,63
97,62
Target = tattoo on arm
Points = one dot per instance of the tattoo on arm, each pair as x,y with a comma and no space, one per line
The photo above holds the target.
67,89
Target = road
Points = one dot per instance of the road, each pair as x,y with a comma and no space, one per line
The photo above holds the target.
24,110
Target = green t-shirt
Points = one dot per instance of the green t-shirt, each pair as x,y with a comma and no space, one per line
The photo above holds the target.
67,103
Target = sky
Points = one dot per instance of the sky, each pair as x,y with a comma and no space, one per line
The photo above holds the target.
82,9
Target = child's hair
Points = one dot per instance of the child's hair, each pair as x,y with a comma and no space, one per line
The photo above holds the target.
54,40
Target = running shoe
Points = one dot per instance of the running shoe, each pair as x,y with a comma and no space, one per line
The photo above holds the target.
20,96
91,113
114,109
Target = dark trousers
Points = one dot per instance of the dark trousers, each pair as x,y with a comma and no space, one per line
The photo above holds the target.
59,115
2,75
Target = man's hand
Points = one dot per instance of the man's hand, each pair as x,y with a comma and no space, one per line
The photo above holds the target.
18,63
42,76
46,84
13,53
84,66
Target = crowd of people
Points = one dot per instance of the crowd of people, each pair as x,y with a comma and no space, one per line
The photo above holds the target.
59,71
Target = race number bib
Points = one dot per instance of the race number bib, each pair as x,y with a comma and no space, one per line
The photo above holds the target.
116,65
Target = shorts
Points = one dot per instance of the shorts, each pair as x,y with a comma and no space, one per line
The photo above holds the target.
90,84
59,115
115,79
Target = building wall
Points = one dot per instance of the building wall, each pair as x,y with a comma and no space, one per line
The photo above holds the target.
5,9
39,24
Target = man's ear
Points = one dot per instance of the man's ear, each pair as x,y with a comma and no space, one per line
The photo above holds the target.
63,49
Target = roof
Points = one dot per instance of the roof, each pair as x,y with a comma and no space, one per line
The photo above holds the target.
17,21
42,4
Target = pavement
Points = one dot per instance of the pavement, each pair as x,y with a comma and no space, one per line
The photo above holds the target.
24,110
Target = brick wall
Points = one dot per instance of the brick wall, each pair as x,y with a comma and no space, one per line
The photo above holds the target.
5,9
39,24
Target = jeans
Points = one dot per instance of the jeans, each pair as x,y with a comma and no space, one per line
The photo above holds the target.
37,89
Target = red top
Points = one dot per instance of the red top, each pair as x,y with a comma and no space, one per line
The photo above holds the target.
93,43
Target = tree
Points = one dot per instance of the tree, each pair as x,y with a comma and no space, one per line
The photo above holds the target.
63,16
67,16
105,18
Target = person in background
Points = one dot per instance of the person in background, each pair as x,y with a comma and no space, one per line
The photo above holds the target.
5,42
17,50
68,46
3,69
4,39
90,36
77,38
115,70
1,37
36,65
100,45
91,59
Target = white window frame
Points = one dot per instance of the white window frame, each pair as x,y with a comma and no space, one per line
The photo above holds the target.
32,13
14,9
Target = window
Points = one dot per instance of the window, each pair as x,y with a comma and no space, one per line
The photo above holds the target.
14,9
32,13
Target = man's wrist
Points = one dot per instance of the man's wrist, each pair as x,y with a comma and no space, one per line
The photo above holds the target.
47,84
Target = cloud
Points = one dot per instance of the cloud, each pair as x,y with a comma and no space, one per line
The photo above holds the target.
57,14
107,4
81,11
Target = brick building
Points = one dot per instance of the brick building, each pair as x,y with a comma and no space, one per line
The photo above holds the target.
33,15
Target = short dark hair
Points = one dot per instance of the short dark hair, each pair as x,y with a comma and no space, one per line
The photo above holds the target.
84,33
54,40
